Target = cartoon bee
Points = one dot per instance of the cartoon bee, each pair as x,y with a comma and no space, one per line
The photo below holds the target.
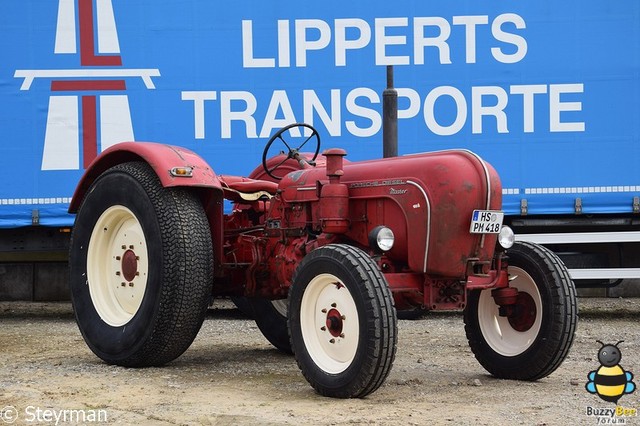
610,381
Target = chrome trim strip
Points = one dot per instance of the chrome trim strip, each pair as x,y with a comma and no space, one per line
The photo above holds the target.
428,204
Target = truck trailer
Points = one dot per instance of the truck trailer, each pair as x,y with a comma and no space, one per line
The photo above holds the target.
547,93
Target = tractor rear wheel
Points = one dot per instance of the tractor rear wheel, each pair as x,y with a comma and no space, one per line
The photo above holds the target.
342,322
271,318
533,342
140,267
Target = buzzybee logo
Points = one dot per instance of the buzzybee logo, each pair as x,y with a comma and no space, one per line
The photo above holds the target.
610,382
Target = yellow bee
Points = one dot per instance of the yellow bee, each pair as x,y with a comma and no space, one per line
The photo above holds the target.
610,381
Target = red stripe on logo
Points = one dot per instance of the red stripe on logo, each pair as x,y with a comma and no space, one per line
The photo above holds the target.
89,130
75,85
87,41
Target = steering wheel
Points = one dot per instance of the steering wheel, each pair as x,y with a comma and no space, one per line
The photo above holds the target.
291,152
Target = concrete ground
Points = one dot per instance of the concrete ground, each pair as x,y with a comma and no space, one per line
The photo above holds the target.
232,376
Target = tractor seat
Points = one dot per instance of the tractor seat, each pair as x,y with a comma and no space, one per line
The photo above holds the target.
239,188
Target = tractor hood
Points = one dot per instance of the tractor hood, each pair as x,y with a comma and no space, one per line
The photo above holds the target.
426,199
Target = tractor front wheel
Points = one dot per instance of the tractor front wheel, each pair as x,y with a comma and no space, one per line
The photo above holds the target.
535,338
342,322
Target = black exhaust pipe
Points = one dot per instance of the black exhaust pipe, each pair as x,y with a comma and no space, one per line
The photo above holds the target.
389,117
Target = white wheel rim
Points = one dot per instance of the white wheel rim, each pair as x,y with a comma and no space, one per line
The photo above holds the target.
117,265
497,331
326,300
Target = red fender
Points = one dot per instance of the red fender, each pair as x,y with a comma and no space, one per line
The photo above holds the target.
162,158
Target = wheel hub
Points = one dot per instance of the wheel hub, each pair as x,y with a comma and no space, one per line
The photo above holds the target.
524,313
334,322
517,306
129,265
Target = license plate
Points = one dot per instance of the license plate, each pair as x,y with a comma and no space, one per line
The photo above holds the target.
486,222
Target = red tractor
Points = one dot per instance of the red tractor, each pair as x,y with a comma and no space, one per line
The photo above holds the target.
323,249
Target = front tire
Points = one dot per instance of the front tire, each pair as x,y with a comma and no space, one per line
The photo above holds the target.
533,343
140,267
342,322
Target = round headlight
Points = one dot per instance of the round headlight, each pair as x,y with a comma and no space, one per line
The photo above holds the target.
381,238
506,237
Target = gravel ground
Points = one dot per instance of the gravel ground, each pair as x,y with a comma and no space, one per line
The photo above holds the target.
232,376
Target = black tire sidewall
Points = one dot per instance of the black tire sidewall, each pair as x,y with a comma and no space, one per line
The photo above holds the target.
108,342
349,378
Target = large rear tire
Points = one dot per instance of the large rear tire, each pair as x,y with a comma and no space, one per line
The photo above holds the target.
140,267
342,322
271,318
533,343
